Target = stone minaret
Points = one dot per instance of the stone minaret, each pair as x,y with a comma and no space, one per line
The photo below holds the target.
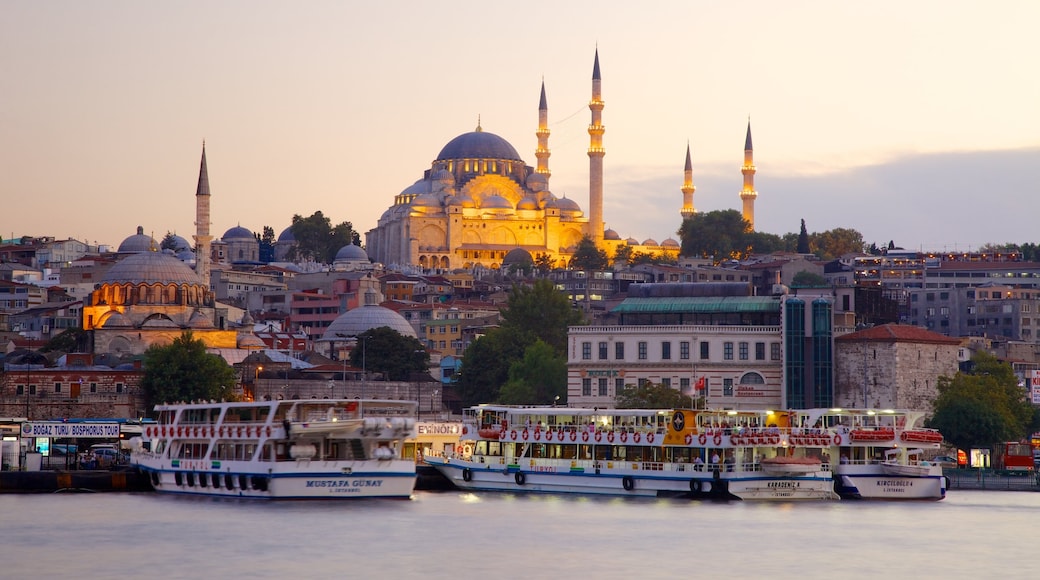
202,237
542,152
688,188
748,194
596,153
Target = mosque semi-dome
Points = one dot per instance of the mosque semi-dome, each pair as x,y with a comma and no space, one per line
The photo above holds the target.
139,242
238,233
495,202
151,267
478,144
358,320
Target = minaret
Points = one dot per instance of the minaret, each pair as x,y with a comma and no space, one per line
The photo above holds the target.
542,152
748,194
202,237
688,187
596,153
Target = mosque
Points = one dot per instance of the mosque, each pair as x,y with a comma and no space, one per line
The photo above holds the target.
479,201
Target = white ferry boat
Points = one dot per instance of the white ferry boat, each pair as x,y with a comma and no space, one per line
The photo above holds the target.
881,455
636,452
289,449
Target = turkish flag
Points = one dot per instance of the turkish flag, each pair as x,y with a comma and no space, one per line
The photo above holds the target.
700,384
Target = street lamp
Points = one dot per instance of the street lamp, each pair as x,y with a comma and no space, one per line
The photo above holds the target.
256,379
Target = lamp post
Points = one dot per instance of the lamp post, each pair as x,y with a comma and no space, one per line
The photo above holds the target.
256,379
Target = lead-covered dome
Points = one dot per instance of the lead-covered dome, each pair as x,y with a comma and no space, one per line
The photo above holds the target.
350,252
139,242
151,267
238,233
354,322
478,145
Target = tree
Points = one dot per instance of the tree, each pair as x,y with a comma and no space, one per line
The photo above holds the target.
169,242
184,371
317,240
390,353
622,255
68,340
537,379
835,243
544,263
588,257
266,244
485,366
541,312
983,407
809,279
720,235
803,240
651,396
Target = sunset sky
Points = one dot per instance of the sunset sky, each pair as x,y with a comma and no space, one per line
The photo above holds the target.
917,122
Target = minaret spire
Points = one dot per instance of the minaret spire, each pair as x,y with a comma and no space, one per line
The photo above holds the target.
688,187
542,152
748,193
596,153
202,221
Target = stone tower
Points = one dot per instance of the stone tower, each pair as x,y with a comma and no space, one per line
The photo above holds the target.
596,153
202,222
688,187
748,194
542,152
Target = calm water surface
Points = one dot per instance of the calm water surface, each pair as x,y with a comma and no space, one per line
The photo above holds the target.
971,534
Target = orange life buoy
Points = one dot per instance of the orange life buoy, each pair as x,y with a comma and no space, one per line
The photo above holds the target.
503,434
458,448
702,438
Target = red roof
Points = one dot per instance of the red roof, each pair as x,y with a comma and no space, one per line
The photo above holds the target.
898,333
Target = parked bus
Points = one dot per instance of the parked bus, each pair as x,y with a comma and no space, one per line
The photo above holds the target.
1018,456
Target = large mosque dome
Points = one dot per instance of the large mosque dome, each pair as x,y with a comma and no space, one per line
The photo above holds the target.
354,322
149,268
478,144
139,242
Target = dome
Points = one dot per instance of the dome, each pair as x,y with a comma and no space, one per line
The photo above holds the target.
632,242
463,199
610,234
180,244
286,235
444,176
426,200
537,182
200,320
237,233
138,243
354,322
517,256
496,202
116,319
527,203
151,267
418,188
649,242
478,145
669,243
250,341
568,205
350,252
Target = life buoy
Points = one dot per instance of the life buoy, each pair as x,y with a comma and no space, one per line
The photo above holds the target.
902,436
249,431
465,429
837,439
636,437
734,440
718,439
599,437
584,436
512,435
689,438
458,449
467,475
649,437
503,434
240,429
702,439
610,437
526,434
268,430
628,483
574,436
695,485
537,435
520,478
624,436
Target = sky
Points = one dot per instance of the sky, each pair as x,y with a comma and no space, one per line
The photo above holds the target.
913,122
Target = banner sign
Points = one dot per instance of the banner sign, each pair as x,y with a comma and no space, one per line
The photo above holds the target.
78,430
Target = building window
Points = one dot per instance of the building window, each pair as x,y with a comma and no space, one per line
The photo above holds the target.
93,387
727,387
642,351
619,350
119,387
774,351
684,385
57,387
704,350
602,351
760,351
619,385
743,351
19,390
727,351
666,350
32,389
603,387
684,350
586,351
586,387
667,382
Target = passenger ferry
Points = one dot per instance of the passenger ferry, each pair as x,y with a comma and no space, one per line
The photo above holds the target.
881,454
287,449
637,452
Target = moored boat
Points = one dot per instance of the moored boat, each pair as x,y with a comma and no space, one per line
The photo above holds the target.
288,449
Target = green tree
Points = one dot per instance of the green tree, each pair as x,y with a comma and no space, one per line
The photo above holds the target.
719,235
184,371
544,263
267,241
485,366
386,351
984,407
537,379
317,240
835,243
809,279
68,340
651,396
169,242
588,257
803,240
622,255
539,311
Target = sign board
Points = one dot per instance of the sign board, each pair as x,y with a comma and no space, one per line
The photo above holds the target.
55,429
1034,386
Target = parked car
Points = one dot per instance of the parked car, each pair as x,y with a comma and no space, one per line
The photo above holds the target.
945,461
103,456
61,456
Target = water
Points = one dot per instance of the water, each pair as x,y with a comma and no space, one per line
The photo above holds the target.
462,535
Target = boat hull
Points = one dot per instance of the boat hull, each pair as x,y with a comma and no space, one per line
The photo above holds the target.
818,486
875,484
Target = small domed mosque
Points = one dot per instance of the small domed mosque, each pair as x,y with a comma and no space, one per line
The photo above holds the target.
479,201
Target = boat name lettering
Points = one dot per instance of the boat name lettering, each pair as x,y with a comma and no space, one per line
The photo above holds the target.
783,484
895,483
438,429
344,483
544,468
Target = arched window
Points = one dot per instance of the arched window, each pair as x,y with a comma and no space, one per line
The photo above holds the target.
752,379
